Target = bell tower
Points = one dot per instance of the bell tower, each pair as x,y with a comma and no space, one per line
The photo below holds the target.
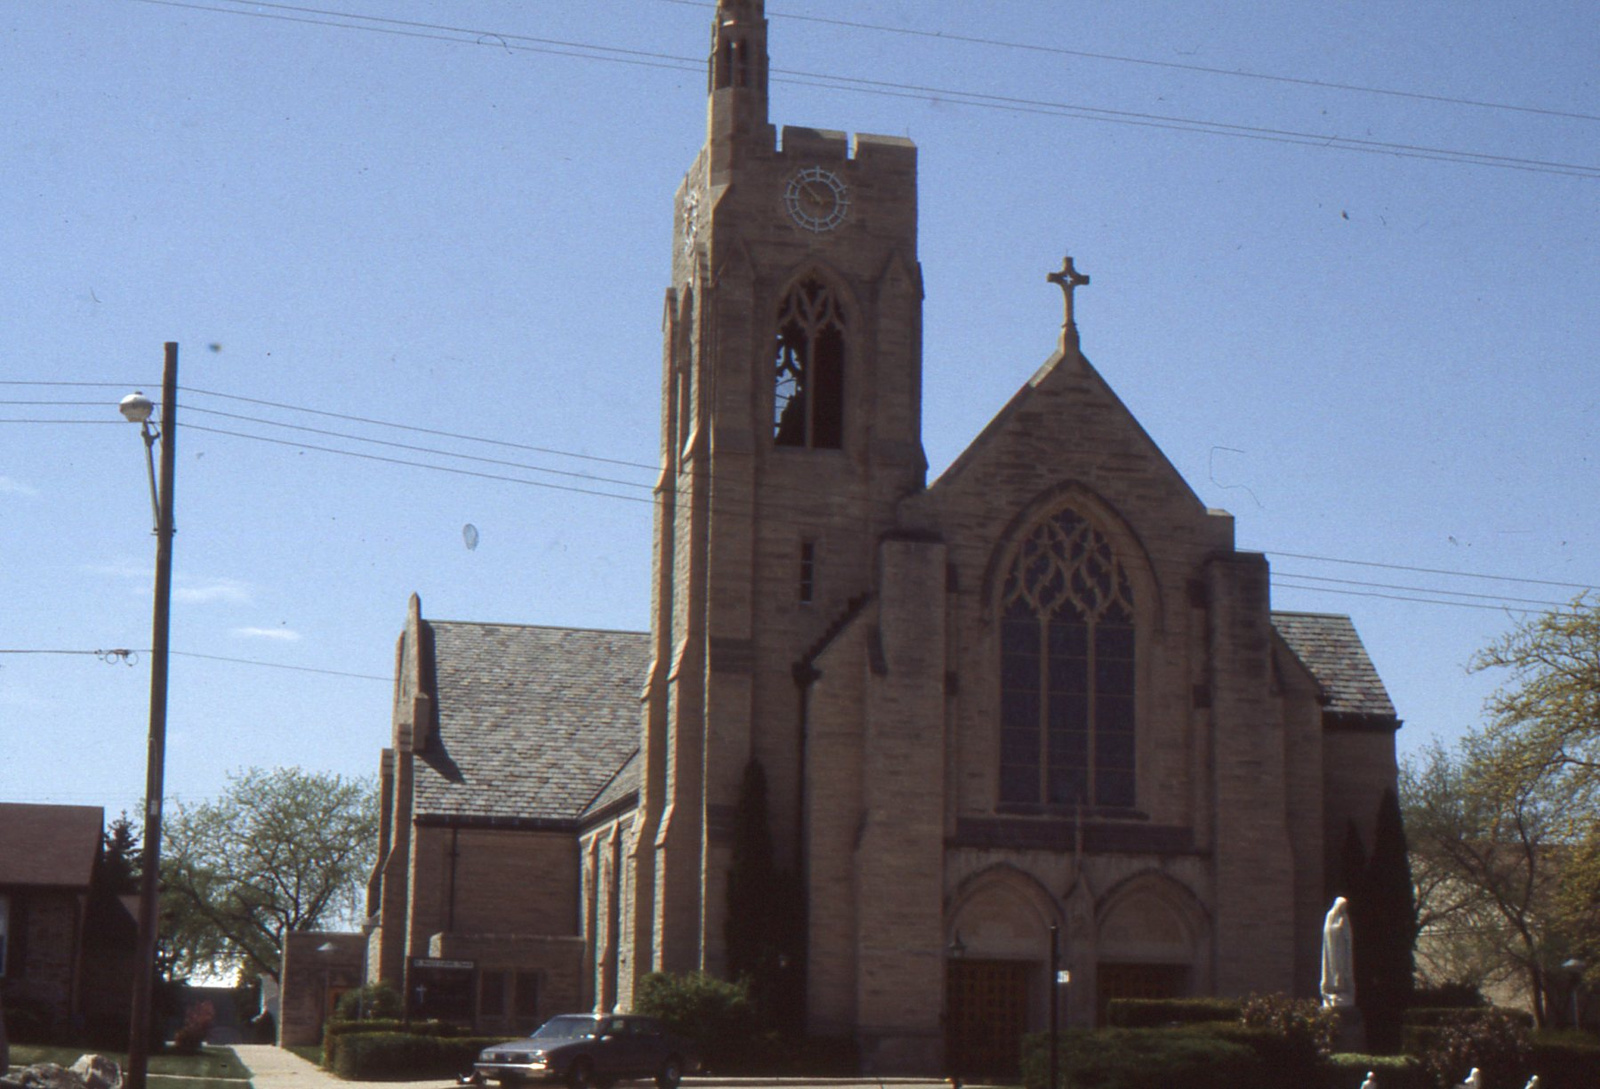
790,432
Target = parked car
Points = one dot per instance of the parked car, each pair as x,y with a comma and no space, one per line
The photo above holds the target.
585,1050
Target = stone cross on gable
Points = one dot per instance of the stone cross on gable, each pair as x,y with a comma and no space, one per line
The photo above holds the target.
1068,279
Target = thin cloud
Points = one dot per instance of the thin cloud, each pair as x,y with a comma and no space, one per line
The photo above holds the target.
208,591
186,589
9,486
282,635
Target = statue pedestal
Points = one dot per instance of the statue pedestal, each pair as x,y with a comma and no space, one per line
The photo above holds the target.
1350,1033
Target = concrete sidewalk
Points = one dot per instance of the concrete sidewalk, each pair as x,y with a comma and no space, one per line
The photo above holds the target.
274,1068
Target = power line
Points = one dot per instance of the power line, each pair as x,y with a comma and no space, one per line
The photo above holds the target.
1402,597
1238,73
1435,571
425,430
724,507
646,58
131,657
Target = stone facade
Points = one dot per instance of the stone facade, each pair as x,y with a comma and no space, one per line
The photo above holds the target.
1043,691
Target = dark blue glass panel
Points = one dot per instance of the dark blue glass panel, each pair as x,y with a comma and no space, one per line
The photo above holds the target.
1113,641
1019,784
1069,711
1113,676
1113,714
1069,638
1113,787
1019,707
1069,675
1114,750
1069,748
1019,747
1019,671
1068,786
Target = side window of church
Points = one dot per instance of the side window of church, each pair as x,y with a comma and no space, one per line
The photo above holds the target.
808,401
5,932
1066,670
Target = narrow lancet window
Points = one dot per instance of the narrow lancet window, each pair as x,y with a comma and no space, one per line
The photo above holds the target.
808,572
808,402
1066,670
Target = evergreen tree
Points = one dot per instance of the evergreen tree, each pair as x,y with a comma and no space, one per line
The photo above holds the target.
765,929
1384,963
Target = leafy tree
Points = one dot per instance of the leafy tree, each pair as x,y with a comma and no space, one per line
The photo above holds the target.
279,850
1551,700
1494,835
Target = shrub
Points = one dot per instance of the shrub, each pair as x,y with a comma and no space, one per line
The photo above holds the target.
335,1033
374,1001
1303,1022
715,1014
1495,1041
197,1021
400,1056
1566,1059
1160,1012
1449,995
1291,1057
1146,1058
1347,1070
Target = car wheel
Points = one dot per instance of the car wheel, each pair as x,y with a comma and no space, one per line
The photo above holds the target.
671,1073
581,1075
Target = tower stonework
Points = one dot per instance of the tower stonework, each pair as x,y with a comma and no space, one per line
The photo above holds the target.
791,389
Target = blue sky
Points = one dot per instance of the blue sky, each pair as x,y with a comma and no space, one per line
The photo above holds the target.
465,226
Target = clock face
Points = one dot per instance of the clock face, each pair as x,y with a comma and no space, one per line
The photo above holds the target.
817,199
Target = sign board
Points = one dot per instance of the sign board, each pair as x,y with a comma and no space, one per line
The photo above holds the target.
432,962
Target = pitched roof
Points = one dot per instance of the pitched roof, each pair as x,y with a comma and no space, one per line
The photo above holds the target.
1330,648
532,723
52,845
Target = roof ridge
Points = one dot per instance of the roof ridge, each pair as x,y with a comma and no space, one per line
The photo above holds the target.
539,627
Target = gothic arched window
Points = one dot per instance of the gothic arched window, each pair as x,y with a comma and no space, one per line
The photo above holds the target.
808,389
1066,670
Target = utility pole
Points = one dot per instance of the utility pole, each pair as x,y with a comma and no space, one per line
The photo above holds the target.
155,761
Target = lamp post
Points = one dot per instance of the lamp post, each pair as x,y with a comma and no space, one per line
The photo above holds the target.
1574,969
137,408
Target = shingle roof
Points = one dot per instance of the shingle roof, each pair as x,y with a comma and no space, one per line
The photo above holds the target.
49,844
532,722
1332,651
624,783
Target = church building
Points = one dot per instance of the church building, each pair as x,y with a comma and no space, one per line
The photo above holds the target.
1043,690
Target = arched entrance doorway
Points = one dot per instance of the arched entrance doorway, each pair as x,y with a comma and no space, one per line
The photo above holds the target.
995,971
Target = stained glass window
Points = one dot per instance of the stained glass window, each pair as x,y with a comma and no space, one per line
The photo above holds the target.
1066,670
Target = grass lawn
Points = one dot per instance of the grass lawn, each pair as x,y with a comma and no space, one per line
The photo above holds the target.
311,1053
217,1064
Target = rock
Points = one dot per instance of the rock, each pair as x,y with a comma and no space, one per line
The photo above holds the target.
42,1076
98,1072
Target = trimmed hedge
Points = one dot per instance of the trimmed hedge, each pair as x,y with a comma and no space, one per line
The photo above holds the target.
1347,1070
1163,1012
1147,1058
1440,1016
375,1024
400,1056
1566,1060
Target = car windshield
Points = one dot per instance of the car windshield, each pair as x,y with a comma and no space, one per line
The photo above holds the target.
569,1027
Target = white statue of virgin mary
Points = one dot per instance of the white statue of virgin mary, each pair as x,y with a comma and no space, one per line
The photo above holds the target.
1338,976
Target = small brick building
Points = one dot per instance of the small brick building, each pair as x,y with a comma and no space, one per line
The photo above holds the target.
66,942
1043,689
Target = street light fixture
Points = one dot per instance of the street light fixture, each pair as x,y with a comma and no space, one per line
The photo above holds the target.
138,408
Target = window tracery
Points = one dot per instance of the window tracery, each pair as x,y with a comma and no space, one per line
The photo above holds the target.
808,389
1066,670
